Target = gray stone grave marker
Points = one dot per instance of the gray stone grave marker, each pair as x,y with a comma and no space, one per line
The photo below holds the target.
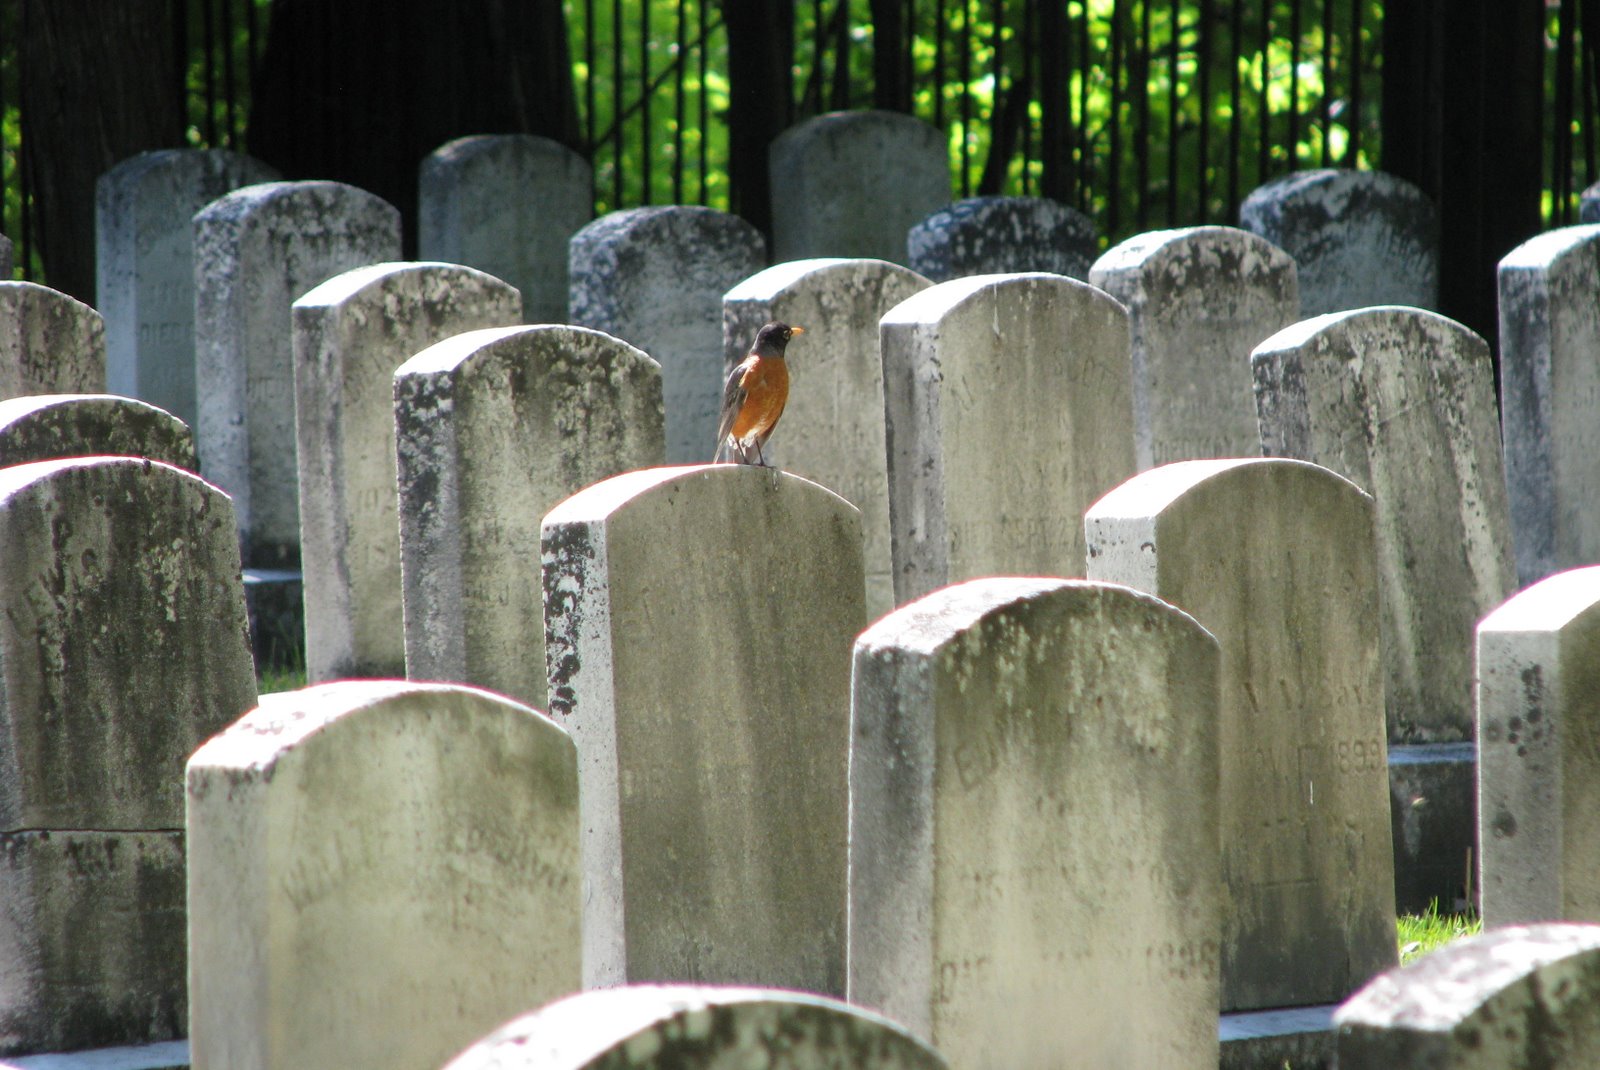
655,277
1589,205
7,258
1359,238
994,235
123,645
507,204
1009,408
42,427
49,343
1199,300
1538,671
350,334
698,624
1276,559
1033,825
257,249
144,266
1400,401
493,428
833,429
379,873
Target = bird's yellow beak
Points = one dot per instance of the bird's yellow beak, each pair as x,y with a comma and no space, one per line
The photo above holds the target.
797,330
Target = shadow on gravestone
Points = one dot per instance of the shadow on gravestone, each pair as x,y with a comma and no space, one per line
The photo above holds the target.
7,258
998,235
698,624
493,429
44,427
49,343
1523,998
1033,825
695,1027
379,872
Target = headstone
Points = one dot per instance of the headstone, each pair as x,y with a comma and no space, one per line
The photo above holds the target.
122,647
1359,238
7,258
1538,673
144,266
1276,559
1524,998
833,429
493,428
1199,300
42,427
698,624
1033,825
694,1027
853,183
1589,205
379,873
1009,407
49,343
507,204
994,235
258,249
1400,401
350,334
1550,394
655,277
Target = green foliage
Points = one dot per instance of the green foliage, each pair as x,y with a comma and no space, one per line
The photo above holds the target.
1418,934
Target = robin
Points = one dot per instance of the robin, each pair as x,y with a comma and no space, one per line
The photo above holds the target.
755,395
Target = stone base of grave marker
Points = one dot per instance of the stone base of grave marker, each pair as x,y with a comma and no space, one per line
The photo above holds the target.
1300,1037
1433,812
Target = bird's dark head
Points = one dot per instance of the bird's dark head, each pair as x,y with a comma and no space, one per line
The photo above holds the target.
773,338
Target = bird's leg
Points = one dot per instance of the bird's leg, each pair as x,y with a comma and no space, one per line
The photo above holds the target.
760,459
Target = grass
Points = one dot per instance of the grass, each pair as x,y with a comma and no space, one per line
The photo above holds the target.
1421,933
281,678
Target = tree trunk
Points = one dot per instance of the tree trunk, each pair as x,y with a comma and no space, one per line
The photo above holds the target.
760,100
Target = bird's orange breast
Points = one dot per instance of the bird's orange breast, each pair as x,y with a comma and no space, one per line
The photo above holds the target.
766,389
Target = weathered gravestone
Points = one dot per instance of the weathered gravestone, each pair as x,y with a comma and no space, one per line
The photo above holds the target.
506,204
1550,393
7,258
1359,238
1589,205
994,235
1009,408
1539,753
1276,559
698,624
350,334
1524,998
379,873
42,427
493,428
1033,825
257,249
833,427
852,183
49,343
1199,300
655,277
1400,401
122,647
144,266
697,1027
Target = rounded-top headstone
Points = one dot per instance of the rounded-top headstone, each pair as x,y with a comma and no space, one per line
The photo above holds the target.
42,427
994,235
50,343
1589,205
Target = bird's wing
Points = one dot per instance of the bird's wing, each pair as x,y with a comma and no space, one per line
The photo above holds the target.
733,395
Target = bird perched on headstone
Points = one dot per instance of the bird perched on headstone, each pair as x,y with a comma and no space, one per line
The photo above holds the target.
755,395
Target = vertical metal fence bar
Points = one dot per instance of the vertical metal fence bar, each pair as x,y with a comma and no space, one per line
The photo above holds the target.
646,165
1114,158
1203,148
7,50
252,35
1586,109
1235,106
965,67
24,243
1561,179
705,99
208,45
230,77
1084,147
1264,115
617,112
1174,124
1353,149
1029,86
680,74
938,63
999,135
1327,83
591,76
1294,82
1141,145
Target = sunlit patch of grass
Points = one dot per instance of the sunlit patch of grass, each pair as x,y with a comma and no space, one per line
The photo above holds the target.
1419,934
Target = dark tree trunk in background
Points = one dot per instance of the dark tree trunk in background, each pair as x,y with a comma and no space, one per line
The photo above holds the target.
99,82
1055,105
360,91
891,74
760,100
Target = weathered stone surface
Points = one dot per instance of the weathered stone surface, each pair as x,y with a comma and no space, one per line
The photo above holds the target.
833,428
379,872
852,183
1276,559
49,343
1538,672
257,249
1009,407
655,277
1033,825
350,334
1524,998
994,235
693,1027
1359,238
7,258
698,625
1199,300
1589,205
42,427
506,204
1400,401
1550,393
144,266
493,428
